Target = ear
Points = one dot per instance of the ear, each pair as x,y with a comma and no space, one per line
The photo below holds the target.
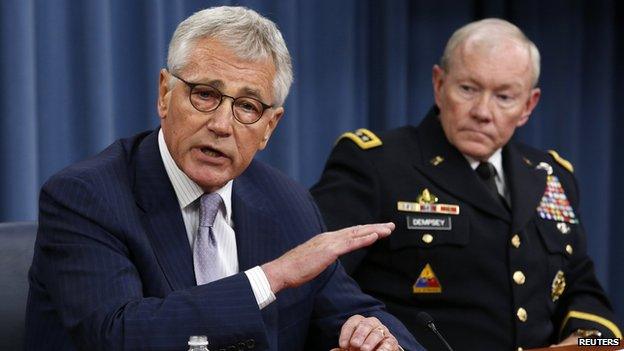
437,79
163,93
270,127
529,106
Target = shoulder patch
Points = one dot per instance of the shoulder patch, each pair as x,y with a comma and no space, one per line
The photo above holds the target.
363,137
562,161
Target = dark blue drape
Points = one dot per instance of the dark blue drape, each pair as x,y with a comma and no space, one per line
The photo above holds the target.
76,75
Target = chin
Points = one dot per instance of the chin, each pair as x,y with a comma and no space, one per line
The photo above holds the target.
206,178
477,152
211,185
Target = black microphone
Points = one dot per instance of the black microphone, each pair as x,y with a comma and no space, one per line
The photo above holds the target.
426,319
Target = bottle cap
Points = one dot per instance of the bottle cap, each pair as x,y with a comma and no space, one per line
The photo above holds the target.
198,340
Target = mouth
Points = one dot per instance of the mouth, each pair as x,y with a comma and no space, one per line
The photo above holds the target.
475,132
212,152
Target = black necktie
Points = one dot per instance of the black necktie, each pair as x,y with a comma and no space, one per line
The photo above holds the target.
487,173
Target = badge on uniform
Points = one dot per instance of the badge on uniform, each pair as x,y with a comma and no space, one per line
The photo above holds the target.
554,204
558,286
427,282
430,214
563,227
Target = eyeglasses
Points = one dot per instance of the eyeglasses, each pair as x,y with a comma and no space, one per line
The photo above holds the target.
206,98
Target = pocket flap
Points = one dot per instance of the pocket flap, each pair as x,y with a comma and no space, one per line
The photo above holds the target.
430,230
557,236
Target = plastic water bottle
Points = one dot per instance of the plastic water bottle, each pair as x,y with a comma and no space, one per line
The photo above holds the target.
198,343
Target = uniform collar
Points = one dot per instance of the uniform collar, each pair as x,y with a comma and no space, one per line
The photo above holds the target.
496,160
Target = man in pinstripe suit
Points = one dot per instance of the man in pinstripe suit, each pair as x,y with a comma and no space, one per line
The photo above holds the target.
118,264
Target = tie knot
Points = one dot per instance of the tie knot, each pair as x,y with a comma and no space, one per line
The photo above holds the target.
486,171
208,209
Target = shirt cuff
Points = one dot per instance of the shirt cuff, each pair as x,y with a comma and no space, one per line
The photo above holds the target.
260,286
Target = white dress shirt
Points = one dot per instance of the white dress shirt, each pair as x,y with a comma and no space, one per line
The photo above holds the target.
188,194
497,161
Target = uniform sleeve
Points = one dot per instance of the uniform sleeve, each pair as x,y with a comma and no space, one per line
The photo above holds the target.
584,304
84,261
348,193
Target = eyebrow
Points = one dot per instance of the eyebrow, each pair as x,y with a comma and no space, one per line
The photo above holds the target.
512,86
507,86
246,91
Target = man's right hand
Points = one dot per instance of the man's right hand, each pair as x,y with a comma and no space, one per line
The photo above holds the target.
308,260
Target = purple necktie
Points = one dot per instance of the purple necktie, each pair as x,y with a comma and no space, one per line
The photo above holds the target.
206,261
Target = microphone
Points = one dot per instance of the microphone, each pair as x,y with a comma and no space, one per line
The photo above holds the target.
426,319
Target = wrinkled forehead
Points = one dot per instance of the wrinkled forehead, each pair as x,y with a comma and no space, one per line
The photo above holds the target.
503,55
210,59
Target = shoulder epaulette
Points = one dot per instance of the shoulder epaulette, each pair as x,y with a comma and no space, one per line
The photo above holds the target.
363,137
562,161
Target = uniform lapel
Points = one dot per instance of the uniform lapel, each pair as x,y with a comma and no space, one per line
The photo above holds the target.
161,217
453,173
526,183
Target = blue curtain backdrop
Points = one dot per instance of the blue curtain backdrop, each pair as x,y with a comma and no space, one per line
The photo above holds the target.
76,75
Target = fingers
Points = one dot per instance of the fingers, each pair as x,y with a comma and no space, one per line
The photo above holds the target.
374,338
382,229
353,238
388,344
347,330
366,334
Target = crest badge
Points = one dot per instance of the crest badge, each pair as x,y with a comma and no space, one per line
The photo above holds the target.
427,282
427,203
558,286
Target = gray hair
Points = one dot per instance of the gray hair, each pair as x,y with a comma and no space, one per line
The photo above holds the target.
491,30
251,36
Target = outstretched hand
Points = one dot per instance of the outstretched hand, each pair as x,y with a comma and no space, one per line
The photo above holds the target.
308,260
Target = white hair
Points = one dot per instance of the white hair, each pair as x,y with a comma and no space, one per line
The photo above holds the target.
251,36
491,30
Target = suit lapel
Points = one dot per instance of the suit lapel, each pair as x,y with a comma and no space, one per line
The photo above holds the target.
454,173
257,236
255,228
162,217
526,183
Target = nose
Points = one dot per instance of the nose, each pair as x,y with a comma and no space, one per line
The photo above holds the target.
220,121
481,108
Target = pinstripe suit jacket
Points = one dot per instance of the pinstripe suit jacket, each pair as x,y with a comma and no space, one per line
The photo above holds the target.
113,269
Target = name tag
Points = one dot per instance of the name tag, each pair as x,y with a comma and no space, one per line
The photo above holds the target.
429,222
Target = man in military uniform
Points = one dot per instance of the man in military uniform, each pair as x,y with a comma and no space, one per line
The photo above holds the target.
488,238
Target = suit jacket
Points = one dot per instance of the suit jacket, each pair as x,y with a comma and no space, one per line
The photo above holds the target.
113,268
492,278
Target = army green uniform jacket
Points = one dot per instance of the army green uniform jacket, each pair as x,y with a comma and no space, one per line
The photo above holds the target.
493,278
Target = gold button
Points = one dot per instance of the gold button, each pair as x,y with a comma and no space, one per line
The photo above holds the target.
519,277
569,249
515,241
427,238
522,314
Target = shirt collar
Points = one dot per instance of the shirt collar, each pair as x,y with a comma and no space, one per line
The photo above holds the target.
496,160
187,191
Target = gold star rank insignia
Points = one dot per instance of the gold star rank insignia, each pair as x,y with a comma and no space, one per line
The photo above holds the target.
364,138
